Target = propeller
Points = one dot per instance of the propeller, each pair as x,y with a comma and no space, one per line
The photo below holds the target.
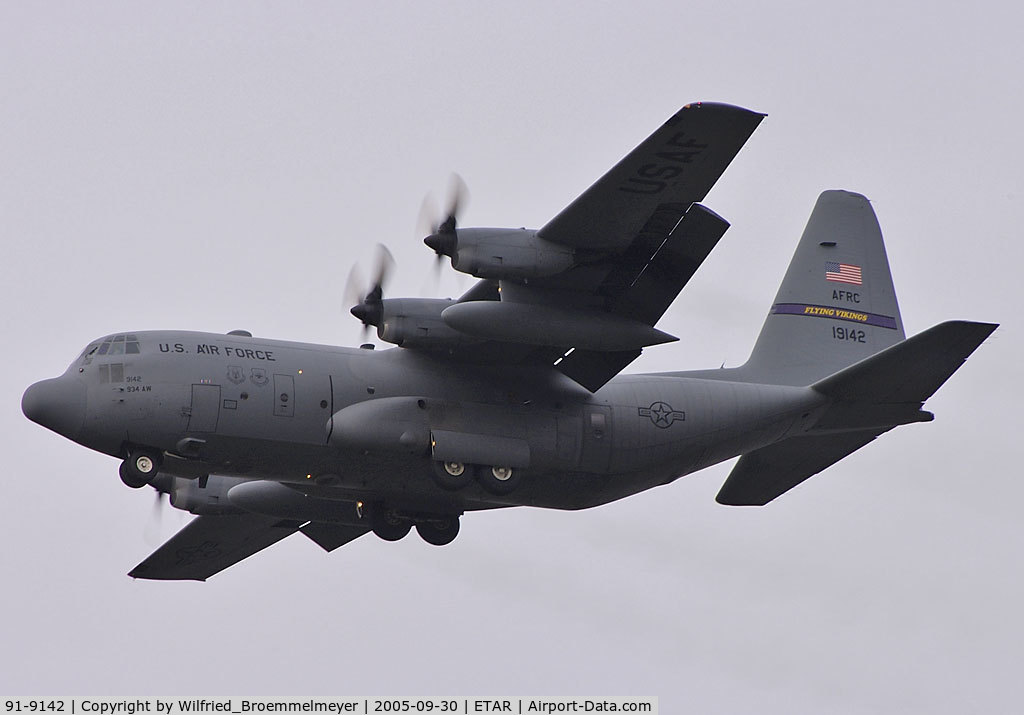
162,484
443,238
370,308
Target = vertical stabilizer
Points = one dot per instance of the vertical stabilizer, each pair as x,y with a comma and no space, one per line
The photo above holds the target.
837,304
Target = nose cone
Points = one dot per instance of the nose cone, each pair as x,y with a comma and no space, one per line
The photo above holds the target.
57,404
442,243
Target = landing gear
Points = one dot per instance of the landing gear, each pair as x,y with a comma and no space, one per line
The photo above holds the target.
439,531
389,525
452,475
140,468
392,525
499,480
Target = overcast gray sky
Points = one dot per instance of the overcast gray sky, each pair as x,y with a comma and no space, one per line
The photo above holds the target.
221,166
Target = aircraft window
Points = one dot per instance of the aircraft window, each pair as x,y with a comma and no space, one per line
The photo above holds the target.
132,348
104,347
88,354
117,347
112,372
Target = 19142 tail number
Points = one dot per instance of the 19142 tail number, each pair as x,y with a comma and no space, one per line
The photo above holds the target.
850,334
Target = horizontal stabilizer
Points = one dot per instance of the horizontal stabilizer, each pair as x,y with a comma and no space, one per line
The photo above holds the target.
766,473
910,371
209,544
867,399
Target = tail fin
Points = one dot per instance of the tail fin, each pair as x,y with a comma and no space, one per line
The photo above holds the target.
836,305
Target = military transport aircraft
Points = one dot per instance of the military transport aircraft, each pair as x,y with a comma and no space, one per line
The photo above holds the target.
508,396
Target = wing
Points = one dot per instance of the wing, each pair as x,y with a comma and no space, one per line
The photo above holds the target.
638,286
622,252
642,285
677,164
209,544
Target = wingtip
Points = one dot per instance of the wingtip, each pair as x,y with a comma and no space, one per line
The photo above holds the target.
721,107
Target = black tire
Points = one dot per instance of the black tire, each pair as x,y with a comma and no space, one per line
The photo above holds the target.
389,526
439,531
129,479
500,480
140,468
448,481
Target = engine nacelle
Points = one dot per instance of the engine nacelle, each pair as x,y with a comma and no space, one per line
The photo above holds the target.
204,496
417,323
509,254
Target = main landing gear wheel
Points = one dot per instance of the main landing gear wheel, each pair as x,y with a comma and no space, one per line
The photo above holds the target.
439,531
452,475
388,525
500,480
139,469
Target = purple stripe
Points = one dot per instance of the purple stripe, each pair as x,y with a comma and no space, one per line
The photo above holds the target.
827,311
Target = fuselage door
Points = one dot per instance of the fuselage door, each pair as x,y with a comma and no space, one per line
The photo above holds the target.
205,408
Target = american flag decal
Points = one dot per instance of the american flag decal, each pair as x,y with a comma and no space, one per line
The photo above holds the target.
843,273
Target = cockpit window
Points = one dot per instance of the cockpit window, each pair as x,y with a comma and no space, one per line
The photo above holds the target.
120,345
88,354
113,345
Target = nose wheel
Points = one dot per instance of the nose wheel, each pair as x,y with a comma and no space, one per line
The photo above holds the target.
140,468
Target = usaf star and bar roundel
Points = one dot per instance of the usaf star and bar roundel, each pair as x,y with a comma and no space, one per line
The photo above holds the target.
662,414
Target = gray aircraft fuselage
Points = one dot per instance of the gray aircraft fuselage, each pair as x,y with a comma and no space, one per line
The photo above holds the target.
513,394
265,409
